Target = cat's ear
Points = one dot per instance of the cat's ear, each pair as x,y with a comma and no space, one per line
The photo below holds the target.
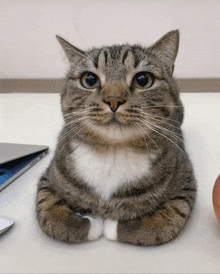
166,48
71,51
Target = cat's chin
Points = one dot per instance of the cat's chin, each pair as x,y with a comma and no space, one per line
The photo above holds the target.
114,121
115,132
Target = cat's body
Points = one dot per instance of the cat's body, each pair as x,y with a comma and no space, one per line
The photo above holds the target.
120,168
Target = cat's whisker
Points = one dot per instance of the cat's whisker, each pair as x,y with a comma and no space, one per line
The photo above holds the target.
75,122
182,151
164,106
72,115
78,128
79,112
137,127
85,44
64,136
69,115
90,57
79,109
84,125
73,107
153,129
150,138
159,117
174,135
161,121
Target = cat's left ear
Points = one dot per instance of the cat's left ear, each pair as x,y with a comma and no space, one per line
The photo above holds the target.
166,48
72,52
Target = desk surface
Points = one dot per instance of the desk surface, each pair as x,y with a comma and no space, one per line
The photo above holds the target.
36,119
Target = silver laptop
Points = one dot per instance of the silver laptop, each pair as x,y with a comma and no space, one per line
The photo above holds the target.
15,159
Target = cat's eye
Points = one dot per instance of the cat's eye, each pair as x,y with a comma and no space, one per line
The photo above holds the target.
143,80
90,80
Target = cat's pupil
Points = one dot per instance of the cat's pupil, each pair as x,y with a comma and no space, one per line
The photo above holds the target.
91,79
142,80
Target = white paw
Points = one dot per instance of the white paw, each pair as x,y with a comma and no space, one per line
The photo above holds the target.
110,229
96,227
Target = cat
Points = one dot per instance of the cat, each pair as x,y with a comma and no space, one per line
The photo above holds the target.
120,169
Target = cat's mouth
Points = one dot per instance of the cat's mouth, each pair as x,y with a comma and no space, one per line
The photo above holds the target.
114,121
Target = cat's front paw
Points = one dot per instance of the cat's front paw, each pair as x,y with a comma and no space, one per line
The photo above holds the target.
110,229
96,226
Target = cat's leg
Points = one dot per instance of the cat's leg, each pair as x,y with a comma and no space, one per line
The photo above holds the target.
158,228
60,222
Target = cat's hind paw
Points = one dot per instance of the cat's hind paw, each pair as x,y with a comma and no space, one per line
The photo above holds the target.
110,229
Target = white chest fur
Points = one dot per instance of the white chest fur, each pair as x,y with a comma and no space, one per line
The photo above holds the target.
107,172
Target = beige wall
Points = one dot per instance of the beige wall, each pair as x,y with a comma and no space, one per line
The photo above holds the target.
28,48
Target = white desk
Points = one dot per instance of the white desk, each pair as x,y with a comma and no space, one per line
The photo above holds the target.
36,119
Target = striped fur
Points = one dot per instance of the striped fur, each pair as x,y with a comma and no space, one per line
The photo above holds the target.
123,174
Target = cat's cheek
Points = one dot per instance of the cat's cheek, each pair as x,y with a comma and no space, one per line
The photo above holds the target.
110,229
96,228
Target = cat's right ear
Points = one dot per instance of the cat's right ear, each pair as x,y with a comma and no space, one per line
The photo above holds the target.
71,51
166,48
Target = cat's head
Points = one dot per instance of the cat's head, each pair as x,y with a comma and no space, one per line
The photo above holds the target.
121,92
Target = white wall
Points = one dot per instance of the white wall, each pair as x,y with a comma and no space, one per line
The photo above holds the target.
28,48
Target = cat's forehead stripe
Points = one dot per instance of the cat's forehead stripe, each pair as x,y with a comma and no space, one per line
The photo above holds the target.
122,53
96,60
125,56
106,56
114,59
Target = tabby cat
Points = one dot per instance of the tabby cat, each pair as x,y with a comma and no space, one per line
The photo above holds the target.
120,168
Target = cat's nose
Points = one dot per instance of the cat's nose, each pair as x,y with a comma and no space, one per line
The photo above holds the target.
114,102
